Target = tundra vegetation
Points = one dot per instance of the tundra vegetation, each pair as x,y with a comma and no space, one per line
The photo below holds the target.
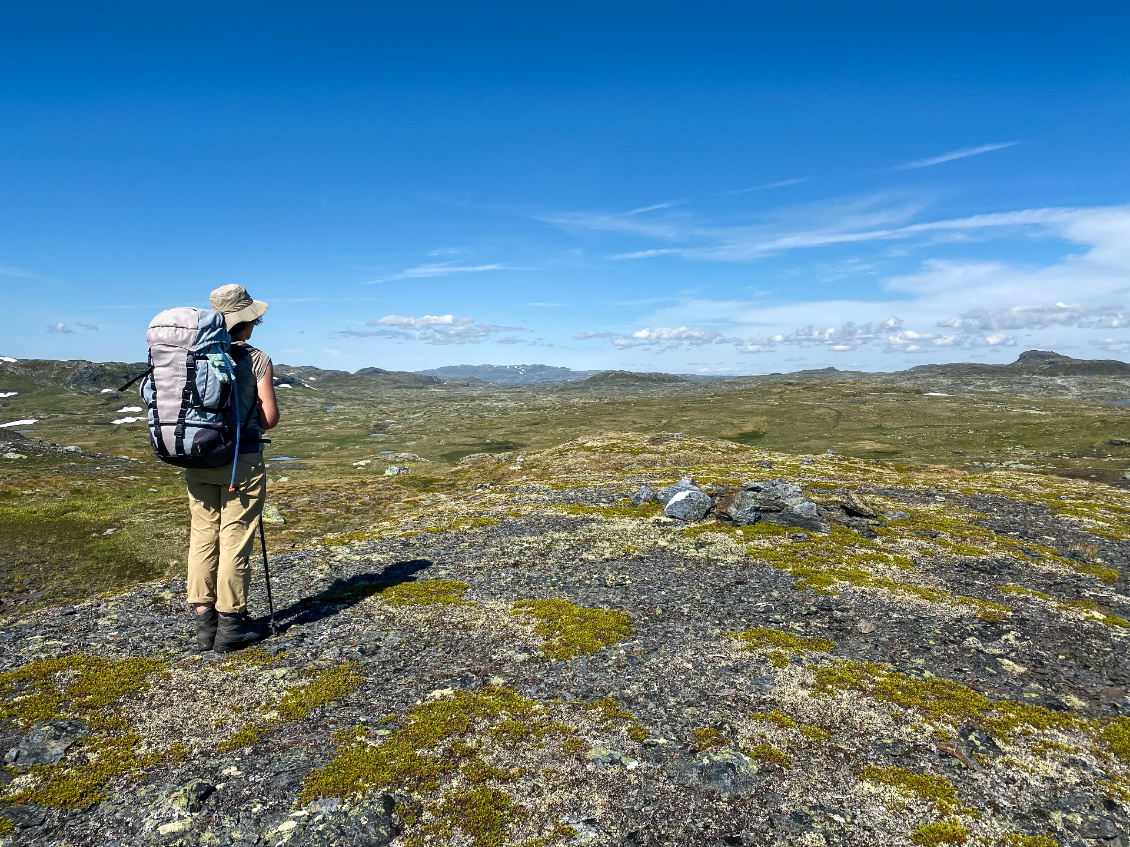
496,648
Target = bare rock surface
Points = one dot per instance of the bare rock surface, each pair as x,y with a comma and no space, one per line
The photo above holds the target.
935,655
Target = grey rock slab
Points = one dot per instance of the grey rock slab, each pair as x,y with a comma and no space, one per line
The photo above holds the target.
684,484
741,508
803,515
689,505
394,470
47,742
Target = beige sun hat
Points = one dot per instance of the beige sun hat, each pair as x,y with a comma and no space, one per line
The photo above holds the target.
235,304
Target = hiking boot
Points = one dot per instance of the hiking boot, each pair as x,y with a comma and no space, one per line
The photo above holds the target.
206,628
236,632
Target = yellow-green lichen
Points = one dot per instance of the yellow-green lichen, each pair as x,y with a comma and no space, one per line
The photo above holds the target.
570,630
706,737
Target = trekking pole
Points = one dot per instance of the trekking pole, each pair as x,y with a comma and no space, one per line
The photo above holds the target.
267,573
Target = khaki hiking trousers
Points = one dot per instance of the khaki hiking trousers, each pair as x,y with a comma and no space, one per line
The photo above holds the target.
223,531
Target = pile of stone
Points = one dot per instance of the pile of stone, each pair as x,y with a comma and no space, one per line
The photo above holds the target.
777,501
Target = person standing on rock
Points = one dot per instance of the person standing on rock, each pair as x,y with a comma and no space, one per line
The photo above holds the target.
224,521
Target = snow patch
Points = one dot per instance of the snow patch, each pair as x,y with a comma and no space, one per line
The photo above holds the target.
28,422
126,420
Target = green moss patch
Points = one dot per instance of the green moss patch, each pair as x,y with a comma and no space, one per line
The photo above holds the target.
437,754
940,699
779,645
925,786
327,686
570,630
85,688
939,833
412,593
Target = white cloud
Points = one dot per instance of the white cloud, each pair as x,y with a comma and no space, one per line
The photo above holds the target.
669,336
1030,317
1113,345
430,329
656,207
909,341
962,153
60,328
584,336
422,322
87,326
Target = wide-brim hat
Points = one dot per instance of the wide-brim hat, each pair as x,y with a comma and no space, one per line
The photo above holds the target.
235,304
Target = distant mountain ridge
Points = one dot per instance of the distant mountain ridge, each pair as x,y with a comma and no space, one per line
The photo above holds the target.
510,374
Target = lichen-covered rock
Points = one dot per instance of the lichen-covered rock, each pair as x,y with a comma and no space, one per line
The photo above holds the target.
272,515
691,505
725,771
394,470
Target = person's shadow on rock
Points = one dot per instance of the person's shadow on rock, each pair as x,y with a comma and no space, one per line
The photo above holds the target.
343,593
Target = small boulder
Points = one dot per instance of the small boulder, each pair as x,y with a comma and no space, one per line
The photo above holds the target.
48,741
24,815
644,495
776,495
688,505
684,484
394,470
741,508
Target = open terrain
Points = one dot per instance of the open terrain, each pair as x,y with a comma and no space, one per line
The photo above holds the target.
494,647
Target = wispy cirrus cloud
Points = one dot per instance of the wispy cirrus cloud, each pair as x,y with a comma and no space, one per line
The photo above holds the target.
440,269
22,273
781,183
962,153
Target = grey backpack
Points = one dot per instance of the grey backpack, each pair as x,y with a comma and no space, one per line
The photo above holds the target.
189,389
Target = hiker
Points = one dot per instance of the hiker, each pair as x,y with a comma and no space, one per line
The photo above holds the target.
224,521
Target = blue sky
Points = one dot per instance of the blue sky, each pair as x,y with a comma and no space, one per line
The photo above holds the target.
712,187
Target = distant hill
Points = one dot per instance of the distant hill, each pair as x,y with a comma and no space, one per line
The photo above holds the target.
1035,363
510,374
614,379
310,377
76,376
